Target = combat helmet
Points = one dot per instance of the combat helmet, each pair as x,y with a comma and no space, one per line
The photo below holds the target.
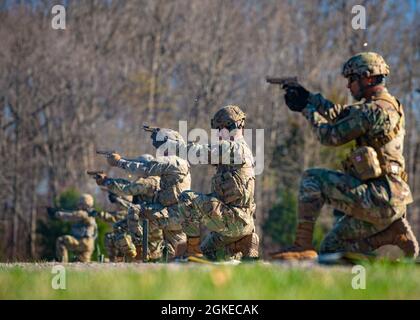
230,117
86,201
164,134
365,64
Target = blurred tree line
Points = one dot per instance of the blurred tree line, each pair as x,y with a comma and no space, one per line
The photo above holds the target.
118,64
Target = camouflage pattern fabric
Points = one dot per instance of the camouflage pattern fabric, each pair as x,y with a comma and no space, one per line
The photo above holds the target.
228,211
167,219
113,216
84,231
116,218
367,201
135,229
173,171
111,248
231,222
345,233
174,175
145,188
83,248
370,206
365,64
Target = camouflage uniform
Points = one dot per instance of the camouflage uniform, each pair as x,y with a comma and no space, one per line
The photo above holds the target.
174,174
228,212
143,190
115,217
370,205
83,232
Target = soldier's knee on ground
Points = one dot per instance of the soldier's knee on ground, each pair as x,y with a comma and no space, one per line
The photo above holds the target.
246,247
330,244
85,249
213,246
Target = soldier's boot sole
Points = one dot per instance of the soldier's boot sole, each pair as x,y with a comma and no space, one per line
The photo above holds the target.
247,246
302,254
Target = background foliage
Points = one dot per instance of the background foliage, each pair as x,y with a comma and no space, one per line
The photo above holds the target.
118,64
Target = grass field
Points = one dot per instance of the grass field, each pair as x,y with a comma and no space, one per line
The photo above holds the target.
195,281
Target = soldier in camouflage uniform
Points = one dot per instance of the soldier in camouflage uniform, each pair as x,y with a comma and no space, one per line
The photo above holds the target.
84,231
227,212
115,253
372,191
128,234
174,177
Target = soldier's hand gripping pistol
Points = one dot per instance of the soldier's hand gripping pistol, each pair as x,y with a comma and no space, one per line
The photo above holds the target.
296,96
150,129
111,156
153,130
98,175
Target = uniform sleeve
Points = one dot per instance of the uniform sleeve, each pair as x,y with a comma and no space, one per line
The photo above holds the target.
224,152
326,108
122,187
74,216
351,123
113,216
146,169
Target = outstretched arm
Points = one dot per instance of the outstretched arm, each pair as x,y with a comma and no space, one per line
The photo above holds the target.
143,186
224,152
73,216
112,216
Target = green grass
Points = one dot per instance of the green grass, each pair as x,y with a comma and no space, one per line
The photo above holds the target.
246,281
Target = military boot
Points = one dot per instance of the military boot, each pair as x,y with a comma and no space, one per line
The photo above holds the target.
399,233
246,247
302,249
193,247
